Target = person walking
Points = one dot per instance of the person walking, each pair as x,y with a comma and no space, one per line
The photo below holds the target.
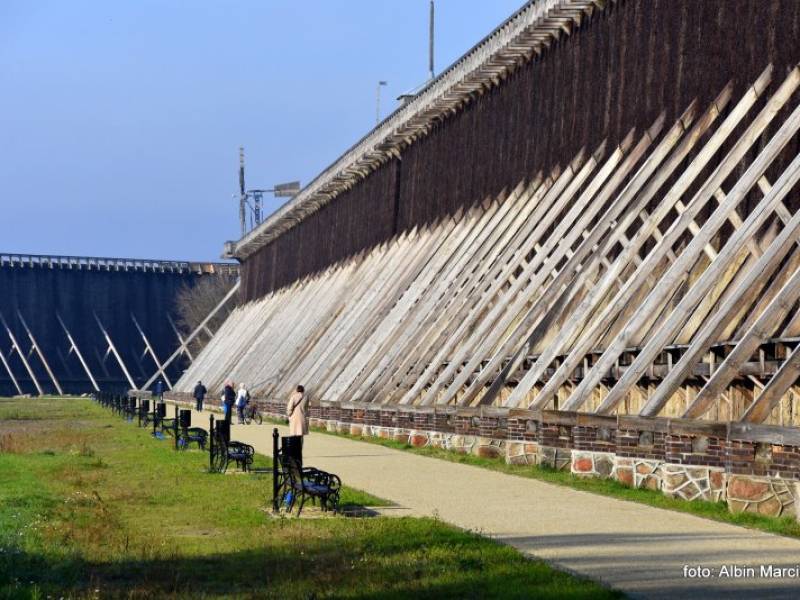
242,397
160,390
199,395
228,398
296,411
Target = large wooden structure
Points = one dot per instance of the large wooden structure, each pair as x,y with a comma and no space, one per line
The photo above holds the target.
78,324
595,210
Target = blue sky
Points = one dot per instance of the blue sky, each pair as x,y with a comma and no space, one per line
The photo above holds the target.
120,121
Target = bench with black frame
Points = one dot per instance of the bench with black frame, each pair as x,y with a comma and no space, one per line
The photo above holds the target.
223,450
143,411
187,435
292,481
129,408
156,417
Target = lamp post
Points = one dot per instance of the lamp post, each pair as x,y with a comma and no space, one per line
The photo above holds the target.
378,101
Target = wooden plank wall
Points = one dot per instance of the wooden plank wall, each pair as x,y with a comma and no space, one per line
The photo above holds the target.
620,69
657,276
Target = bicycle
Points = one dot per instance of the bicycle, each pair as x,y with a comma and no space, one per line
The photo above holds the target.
251,415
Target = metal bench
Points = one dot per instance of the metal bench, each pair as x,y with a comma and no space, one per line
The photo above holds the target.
308,482
291,480
192,435
223,450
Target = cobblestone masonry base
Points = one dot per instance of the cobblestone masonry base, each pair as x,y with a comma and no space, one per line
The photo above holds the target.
698,465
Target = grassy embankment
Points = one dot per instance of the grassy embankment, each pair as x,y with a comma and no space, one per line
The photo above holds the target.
92,506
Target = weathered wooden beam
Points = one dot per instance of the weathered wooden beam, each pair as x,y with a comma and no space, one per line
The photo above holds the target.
74,348
10,373
677,271
629,254
624,298
455,338
113,350
504,336
711,329
761,329
40,354
668,328
191,336
15,346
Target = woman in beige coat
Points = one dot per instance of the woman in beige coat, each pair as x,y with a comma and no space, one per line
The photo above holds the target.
296,411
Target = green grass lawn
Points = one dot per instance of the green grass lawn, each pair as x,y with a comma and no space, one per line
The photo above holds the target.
718,511
93,507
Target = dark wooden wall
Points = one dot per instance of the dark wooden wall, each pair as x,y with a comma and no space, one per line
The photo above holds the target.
41,292
620,70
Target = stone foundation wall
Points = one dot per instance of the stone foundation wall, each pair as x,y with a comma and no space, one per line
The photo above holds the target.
752,468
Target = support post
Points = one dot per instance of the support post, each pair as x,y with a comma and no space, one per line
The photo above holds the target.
180,338
10,373
21,354
210,443
39,352
116,354
149,349
275,500
175,427
191,336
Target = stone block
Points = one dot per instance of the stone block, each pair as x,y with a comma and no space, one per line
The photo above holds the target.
604,464
461,443
330,426
400,435
582,464
638,472
555,458
592,464
489,448
763,495
418,439
521,453
356,429
693,483
342,427
624,475
437,439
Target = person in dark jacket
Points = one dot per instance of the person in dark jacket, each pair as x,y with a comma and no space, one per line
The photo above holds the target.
228,398
199,395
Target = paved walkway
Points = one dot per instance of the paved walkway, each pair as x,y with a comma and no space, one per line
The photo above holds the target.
632,547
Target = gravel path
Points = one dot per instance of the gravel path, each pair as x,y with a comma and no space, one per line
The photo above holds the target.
632,547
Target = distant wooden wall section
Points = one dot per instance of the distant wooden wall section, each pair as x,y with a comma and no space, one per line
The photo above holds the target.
625,65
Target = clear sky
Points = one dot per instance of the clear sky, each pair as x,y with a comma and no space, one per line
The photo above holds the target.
120,121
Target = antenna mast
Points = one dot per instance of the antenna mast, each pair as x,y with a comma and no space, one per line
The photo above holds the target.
430,44
242,193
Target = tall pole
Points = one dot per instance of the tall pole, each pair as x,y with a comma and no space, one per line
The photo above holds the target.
378,101
430,43
242,194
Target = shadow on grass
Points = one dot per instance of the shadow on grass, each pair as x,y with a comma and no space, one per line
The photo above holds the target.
438,562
